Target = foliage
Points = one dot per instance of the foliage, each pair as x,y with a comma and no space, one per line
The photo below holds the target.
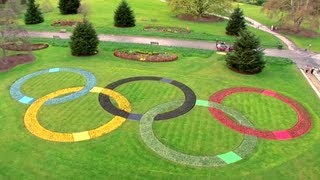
33,14
46,6
236,22
295,12
15,6
247,56
7,16
84,40
69,6
124,16
200,8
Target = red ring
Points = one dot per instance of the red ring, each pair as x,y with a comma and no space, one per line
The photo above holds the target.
302,127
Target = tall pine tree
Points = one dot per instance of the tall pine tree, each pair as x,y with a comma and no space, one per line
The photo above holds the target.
33,14
236,22
248,55
84,40
69,6
123,16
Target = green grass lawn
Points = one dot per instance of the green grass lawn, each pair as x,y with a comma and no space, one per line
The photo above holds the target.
122,153
255,13
102,17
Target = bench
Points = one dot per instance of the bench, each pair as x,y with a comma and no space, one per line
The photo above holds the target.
63,30
154,43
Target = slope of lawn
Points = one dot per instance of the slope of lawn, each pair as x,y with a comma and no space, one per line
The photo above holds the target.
122,153
255,13
147,12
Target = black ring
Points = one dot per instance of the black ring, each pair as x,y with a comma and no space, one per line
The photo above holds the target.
188,104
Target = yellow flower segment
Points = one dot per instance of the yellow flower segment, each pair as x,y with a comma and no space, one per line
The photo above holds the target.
32,124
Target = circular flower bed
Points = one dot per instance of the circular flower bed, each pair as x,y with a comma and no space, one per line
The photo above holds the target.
146,56
24,47
167,29
67,22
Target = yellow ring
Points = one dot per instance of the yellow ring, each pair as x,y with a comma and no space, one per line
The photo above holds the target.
32,124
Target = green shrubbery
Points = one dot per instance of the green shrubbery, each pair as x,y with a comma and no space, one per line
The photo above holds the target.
84,40
236,22
33,14
69,6
123,16
247,56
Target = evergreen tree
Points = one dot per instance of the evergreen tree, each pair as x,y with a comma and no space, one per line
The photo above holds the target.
123,16
247,56
33,14
236,22
84,40
69,6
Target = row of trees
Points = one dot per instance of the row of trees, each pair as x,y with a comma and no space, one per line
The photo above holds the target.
290,13
123,17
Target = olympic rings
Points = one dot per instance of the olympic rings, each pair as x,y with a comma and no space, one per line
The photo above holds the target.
303,125
32,124
160,112
150,139
15,89
190,99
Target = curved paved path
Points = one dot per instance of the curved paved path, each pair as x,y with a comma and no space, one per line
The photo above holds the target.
300,58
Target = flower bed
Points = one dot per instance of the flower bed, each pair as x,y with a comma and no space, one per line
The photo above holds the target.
10,62
302,127
167,29
24,47
67,22
146,56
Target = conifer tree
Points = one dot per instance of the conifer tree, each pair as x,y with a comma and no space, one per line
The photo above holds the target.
236,22
123,16
69,6
84,40
33,14
248,55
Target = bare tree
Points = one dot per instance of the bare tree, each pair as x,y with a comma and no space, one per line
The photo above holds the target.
84,9
295,12
11,34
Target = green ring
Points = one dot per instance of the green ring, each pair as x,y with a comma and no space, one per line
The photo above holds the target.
246,147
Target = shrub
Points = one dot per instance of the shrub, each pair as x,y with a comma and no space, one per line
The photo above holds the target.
33,14
123,16
247,56
236,22
84,40
69,6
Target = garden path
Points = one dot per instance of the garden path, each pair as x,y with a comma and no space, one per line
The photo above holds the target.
300,58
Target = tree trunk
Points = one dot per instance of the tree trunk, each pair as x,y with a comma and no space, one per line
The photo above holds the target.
297,24
4,52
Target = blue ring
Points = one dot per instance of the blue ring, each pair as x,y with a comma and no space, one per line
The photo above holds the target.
15,89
